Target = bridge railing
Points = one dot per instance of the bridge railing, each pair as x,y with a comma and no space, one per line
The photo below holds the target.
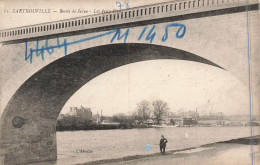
176,7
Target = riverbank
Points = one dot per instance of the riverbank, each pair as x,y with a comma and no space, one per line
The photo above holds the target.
224,154
61,128
77,147
100,127
235,151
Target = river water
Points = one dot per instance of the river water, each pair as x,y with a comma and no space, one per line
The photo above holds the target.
85,146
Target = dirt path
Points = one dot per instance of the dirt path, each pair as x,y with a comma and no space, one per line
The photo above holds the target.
215,154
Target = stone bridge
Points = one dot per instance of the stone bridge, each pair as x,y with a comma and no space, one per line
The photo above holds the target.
43,65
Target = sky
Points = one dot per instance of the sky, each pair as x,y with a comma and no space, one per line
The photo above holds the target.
184,85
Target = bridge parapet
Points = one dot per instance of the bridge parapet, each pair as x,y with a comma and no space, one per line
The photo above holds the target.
155,11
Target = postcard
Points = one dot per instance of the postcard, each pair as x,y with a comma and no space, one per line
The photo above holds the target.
129,82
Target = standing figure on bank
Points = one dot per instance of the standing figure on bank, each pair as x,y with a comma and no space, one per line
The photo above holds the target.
163,142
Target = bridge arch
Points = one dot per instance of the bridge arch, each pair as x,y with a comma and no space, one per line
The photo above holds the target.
28,124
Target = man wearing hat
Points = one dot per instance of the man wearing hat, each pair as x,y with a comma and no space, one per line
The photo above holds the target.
163,142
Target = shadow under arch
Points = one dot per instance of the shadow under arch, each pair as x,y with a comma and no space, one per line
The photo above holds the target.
28,124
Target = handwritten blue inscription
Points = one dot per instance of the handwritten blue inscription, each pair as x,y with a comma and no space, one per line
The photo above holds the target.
150,36
40,51
178,35
126,4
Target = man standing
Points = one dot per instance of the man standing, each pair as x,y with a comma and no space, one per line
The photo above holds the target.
163,142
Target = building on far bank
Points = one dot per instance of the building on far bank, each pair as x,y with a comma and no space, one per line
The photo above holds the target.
185,121
107,122
235,124
81,112
253,123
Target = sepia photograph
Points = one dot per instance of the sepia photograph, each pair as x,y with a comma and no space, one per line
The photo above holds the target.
129,82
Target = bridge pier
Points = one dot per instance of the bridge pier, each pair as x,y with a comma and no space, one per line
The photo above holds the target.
28,126
28,139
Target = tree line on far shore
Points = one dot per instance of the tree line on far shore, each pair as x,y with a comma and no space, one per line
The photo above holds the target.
82,118
146,114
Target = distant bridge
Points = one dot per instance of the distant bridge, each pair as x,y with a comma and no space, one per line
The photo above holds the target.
43,65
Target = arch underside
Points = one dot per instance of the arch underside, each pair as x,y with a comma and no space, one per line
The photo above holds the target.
29,119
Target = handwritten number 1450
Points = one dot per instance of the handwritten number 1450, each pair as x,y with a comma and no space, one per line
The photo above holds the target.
39,51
